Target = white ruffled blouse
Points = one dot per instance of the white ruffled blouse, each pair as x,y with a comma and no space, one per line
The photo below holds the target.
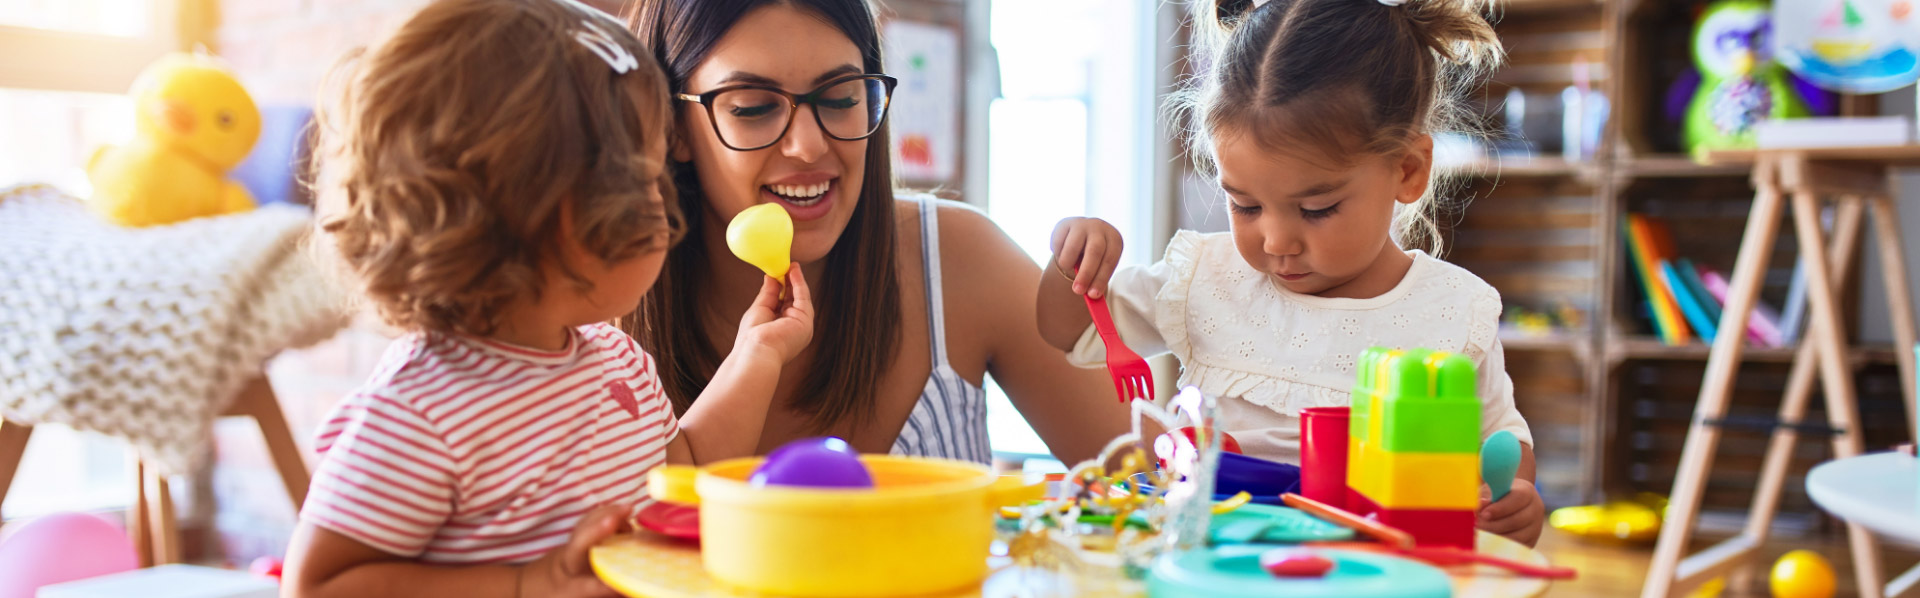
1267,353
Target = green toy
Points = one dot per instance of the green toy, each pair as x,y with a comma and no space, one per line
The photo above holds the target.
1740,83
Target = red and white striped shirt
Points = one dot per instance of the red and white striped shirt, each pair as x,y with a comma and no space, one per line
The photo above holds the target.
464,450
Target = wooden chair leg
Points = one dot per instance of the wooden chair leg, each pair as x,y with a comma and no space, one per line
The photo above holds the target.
1664,575
258,402
1893,269
139,527
164,524
1793,407
1824,328
13,445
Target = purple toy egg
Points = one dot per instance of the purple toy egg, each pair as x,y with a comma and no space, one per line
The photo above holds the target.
813,462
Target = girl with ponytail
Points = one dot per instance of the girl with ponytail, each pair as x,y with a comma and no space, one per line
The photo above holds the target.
1316,117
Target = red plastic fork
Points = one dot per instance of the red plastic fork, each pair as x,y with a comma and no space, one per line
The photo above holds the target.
1132,379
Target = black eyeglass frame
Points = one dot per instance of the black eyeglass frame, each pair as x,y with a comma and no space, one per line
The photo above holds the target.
705,100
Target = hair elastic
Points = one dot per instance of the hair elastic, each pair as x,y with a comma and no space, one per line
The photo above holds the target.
603,45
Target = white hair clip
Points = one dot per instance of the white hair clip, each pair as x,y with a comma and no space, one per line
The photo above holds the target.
1393,2
603,45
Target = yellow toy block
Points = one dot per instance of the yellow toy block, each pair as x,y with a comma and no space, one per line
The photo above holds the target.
1362,475
1425,481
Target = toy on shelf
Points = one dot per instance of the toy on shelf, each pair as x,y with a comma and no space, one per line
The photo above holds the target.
1855,46
1562,318
1740,83
195,122
1414,444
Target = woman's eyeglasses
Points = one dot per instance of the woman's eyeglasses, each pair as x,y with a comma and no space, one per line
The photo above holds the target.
751,117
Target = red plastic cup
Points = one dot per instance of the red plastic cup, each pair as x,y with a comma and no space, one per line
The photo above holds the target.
1323,454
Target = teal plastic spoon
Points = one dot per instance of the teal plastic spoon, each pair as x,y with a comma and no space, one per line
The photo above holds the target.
1499,461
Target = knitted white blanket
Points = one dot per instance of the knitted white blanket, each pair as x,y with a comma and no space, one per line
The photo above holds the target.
148,333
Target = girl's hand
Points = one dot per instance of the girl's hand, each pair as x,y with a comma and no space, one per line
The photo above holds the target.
564,571
783,328
1089,249
1519,515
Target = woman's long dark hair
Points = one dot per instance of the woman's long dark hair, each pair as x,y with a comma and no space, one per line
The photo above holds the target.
858,329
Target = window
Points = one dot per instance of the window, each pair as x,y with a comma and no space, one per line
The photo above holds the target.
62,94
48,136
117,18
1075,133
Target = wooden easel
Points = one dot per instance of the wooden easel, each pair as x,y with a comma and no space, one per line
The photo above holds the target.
1857,180
151,520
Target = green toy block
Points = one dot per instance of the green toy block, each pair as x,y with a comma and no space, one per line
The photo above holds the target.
1431,405
1431,426
1453,376
1364,391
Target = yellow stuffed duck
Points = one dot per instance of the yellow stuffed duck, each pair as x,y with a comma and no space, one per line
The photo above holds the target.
195,122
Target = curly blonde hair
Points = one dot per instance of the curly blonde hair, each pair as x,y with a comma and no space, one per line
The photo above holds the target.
454,148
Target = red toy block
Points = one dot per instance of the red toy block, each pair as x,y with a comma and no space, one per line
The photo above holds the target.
1433,527
1429,527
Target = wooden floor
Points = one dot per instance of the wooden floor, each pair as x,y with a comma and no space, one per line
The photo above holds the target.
1613,571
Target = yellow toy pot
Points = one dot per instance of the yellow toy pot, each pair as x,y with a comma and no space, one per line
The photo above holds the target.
922,529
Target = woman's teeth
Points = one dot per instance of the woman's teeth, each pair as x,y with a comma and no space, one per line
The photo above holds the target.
801,192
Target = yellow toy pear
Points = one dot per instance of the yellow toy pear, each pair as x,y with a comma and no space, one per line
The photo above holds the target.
762,235
195,122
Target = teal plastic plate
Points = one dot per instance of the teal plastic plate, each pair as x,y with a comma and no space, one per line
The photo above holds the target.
1268,524
1234,572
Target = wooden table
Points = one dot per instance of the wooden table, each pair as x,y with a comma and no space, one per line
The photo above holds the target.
648,565
1856,180
1879,491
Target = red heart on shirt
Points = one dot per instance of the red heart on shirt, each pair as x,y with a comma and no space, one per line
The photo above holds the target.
624,396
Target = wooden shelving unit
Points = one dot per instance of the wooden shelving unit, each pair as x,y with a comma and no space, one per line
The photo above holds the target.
1675,166
1608,402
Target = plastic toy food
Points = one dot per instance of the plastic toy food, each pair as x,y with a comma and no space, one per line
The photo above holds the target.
763,236
813,462
1294,562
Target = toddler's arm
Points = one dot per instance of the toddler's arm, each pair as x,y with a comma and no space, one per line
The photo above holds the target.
324,564
1089,248
725,421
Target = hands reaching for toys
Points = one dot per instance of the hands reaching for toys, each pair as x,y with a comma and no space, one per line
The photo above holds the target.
564,571
783,327
1089,248
1518,516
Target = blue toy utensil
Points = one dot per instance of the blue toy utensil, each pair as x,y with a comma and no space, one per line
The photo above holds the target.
1499,461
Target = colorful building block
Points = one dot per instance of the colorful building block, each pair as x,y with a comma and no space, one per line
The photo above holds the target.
1423,480
1429,527
1414,444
